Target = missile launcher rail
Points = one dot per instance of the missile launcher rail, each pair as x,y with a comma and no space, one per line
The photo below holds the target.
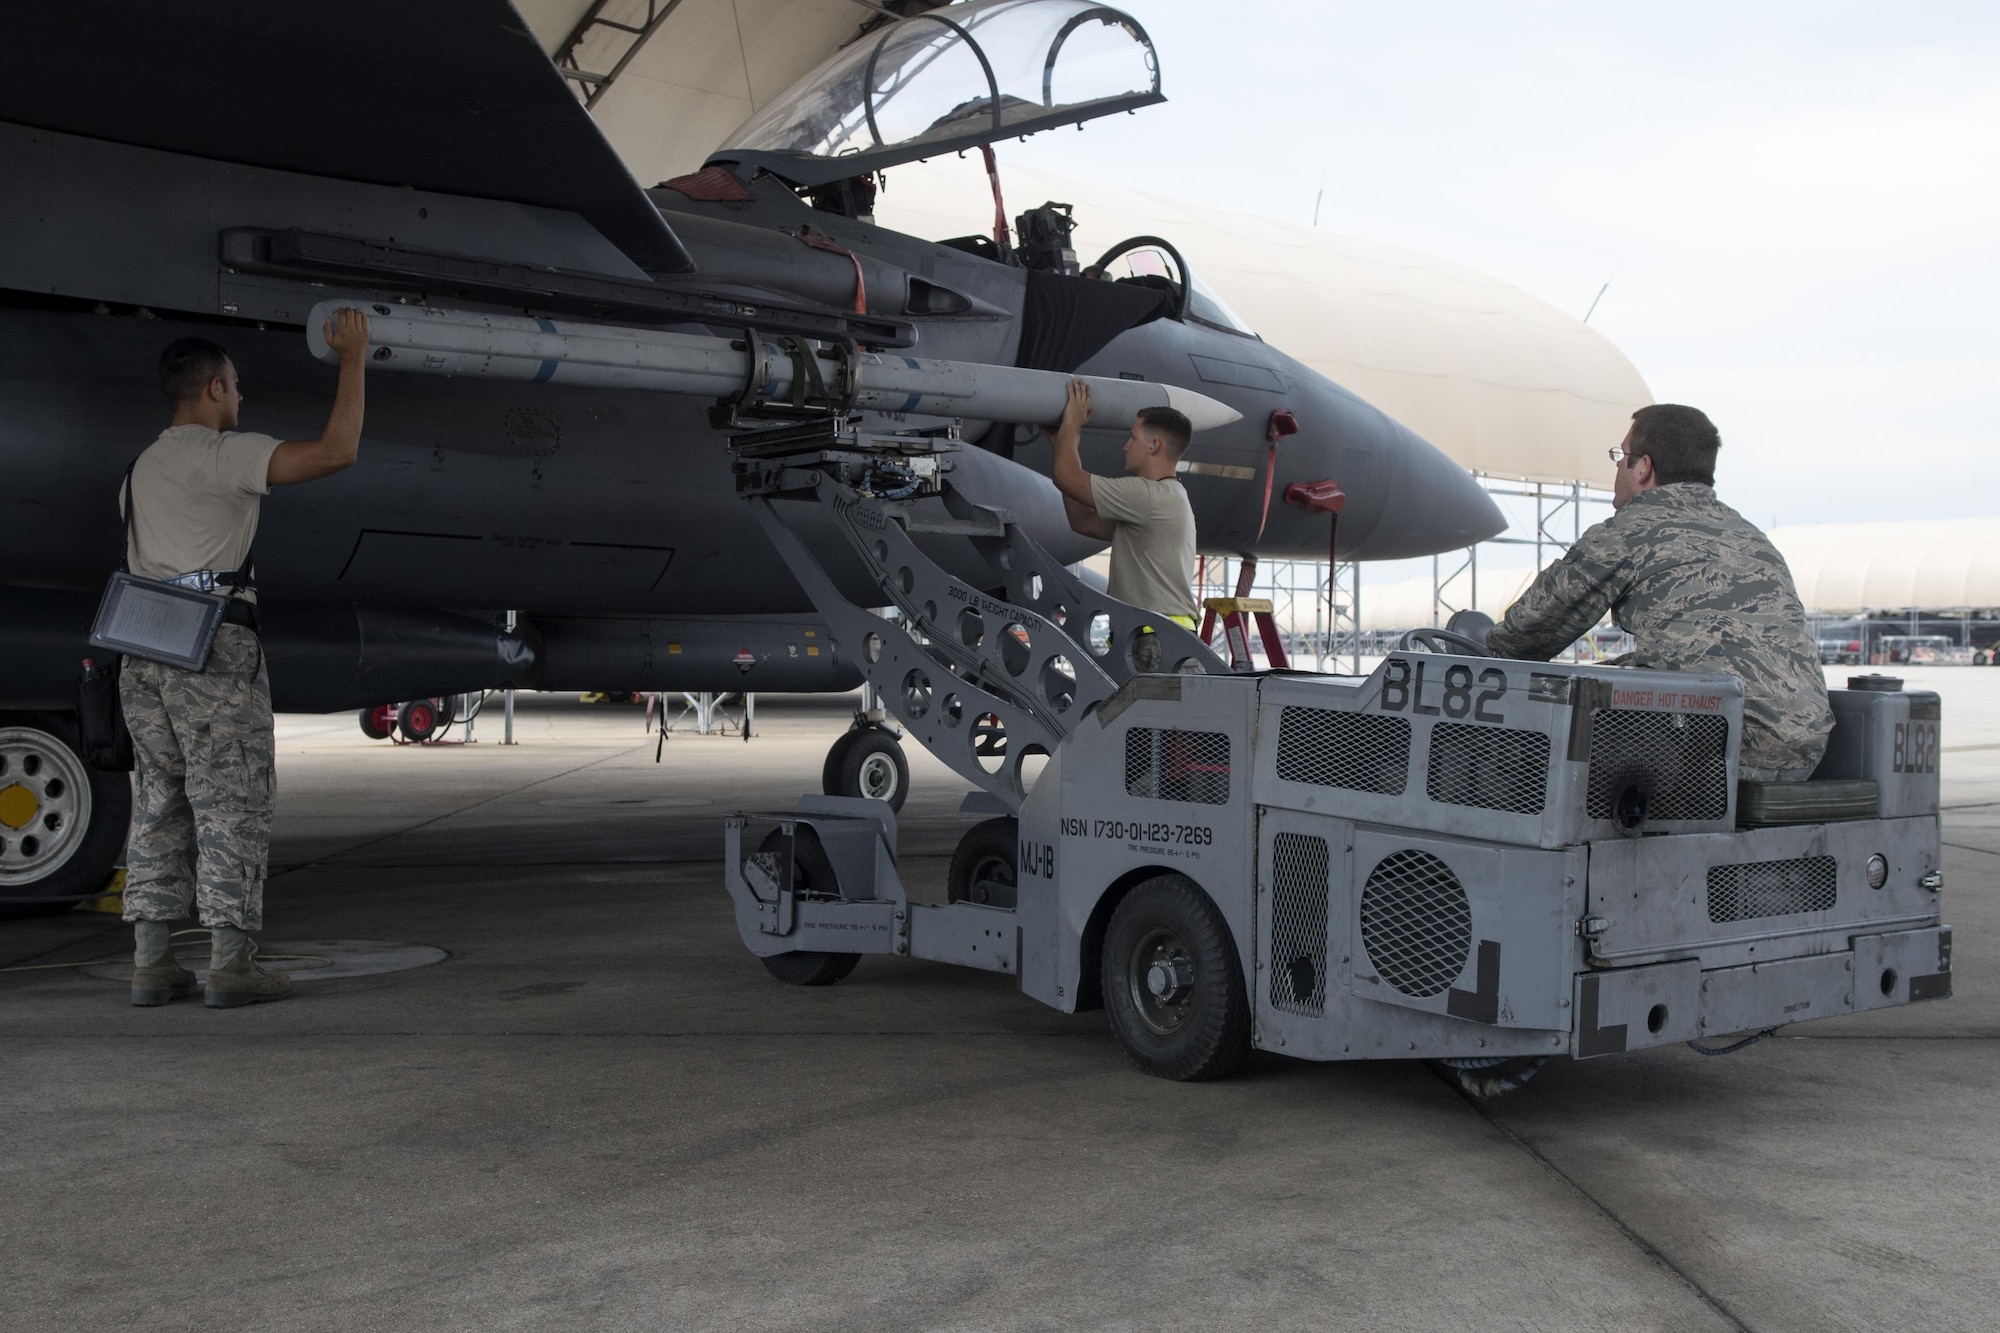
1480,862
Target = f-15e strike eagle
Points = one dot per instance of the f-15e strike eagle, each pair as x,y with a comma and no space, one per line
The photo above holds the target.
220,169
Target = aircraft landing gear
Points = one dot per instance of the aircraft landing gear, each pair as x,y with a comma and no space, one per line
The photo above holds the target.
62,823
868,761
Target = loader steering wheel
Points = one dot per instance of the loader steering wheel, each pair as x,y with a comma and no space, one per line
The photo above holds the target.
1428,640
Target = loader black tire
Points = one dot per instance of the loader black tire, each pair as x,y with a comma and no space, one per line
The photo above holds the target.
812,869
983,866
1167,933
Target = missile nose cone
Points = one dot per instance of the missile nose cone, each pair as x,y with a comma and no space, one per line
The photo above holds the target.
1203,412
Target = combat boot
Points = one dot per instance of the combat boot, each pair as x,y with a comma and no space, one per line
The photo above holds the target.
156,977
233,975
157,985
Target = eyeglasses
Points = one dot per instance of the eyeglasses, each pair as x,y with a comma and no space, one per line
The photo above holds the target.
1618,454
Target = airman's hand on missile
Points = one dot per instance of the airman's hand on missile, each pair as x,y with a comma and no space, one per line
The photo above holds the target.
1076,411
347,332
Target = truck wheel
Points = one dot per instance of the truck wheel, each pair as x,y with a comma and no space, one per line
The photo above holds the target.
983,867
812,870
867,763
1172,983
62,823
378,722
419,720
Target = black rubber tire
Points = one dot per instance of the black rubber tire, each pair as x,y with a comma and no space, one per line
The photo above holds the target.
812,869
84,872
1207,1033
829,772
372,728
418,721
989,852
806,968
864,750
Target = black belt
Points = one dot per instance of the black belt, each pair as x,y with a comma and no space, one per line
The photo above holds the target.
237,611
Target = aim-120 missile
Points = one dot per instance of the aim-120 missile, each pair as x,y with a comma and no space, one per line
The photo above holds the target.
519,347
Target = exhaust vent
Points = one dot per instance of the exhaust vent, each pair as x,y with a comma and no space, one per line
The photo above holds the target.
1416,923
1300,888
1355,751
1756,889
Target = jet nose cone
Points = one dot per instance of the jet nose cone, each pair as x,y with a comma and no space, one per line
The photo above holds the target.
1405,497
1430,504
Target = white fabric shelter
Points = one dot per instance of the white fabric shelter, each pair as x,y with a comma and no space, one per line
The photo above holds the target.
1840,569
1934,564
1406,603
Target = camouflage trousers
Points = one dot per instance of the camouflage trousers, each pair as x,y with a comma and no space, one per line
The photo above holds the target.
203,786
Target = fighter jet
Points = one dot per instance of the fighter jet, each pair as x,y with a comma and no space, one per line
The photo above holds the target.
223,169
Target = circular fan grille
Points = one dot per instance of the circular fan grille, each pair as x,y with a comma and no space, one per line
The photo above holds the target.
1416,922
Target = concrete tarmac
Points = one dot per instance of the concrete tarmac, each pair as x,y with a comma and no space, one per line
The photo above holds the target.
601,1113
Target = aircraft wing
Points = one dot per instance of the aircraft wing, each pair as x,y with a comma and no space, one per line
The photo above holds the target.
448,95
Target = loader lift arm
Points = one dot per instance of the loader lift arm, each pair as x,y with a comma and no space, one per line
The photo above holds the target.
983,680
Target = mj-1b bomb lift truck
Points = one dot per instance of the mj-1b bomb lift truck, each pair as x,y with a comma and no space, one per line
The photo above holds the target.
1453,858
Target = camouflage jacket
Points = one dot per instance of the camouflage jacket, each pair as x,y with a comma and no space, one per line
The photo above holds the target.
1701,589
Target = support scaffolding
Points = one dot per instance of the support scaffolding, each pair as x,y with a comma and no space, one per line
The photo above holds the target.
1323,626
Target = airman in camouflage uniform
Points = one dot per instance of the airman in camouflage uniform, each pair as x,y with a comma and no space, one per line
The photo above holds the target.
1696,584
202,740
203,793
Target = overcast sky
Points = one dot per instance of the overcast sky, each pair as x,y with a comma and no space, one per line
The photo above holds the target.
1795,204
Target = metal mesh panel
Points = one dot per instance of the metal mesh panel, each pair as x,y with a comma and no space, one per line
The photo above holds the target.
1494,768
1679,762
1299,892
1416,922
1171,765
1756,889
1358,751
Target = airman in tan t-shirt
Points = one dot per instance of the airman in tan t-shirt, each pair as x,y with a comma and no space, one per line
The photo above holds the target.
1145,515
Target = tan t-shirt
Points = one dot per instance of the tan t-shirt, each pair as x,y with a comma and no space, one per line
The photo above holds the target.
195,495
1152,542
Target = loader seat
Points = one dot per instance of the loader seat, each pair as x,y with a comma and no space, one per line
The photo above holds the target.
1769,804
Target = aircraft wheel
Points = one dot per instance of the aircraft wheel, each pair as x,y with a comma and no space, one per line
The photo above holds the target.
867,763
418,720
378,722
983,867
62,823
829,772
1172,983
812,871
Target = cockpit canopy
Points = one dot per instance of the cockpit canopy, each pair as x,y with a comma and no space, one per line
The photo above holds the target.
952,78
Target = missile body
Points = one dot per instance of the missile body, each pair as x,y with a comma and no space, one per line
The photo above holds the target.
521,347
